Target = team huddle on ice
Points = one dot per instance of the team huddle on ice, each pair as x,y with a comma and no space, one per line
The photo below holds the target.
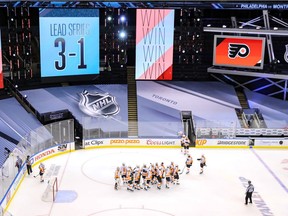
143,177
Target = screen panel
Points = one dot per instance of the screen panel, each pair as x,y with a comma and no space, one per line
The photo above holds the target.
1,68
69,42
244,52
154,44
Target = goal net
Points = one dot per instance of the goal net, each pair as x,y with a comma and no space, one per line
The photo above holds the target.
49,194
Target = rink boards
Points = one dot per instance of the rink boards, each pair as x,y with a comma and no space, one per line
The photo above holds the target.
137,143
175,143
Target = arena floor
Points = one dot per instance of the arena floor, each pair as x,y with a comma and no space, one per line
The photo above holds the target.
86,179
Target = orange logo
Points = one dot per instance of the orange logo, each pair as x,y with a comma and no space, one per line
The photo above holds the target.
200,142
245,52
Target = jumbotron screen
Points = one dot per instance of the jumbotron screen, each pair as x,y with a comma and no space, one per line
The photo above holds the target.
69,42
237,51
154,44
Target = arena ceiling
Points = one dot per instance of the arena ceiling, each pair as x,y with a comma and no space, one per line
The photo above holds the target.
222,4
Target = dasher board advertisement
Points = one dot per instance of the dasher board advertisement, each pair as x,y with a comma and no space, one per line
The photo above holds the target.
243,52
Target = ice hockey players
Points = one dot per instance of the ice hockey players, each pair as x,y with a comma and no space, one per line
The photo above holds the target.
129,179
182,141
117,178
189,162
168,176
186,145
202,163
144,174
149,178
176,175
159,175
154,173
123,171
137,176
41,171
163,166
140,178
172,167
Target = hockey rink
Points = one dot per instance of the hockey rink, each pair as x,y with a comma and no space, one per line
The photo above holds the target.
86,184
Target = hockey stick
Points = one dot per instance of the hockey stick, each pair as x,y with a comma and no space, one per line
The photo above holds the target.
36,175
183,170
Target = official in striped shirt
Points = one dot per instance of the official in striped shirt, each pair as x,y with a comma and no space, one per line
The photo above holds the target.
249,192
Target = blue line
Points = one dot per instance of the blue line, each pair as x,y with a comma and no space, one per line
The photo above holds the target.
271,172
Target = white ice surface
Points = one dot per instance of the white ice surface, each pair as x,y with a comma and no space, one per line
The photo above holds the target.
217,192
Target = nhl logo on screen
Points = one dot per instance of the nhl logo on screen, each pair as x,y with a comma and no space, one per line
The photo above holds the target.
97,104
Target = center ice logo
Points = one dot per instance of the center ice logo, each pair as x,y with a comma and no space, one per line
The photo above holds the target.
97,104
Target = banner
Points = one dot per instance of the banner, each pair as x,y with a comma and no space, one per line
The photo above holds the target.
244,52
271,142
154,44
222,143
1,68
94,143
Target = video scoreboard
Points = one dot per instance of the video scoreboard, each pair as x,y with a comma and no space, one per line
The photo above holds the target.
69,42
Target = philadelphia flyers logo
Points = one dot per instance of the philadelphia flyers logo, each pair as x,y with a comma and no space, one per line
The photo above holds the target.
235,49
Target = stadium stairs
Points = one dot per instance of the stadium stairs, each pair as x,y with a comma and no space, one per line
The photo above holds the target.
248,117
132,103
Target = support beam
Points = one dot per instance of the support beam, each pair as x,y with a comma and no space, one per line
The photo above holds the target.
246,73
268,37
246,31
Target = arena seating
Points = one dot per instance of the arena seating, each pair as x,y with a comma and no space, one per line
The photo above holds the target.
274,111
16,122
211,103
59,98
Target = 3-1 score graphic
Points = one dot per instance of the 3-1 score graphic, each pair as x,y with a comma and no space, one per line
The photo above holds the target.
61,64
69,42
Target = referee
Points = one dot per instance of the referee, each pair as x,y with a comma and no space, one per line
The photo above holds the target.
249,192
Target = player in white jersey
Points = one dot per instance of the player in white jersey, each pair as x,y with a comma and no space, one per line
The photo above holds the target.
123,171
186,145
182,141
144,174
41,171
202,163
168,176
117,178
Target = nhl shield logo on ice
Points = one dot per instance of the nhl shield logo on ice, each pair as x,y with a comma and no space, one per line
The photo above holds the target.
97,104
